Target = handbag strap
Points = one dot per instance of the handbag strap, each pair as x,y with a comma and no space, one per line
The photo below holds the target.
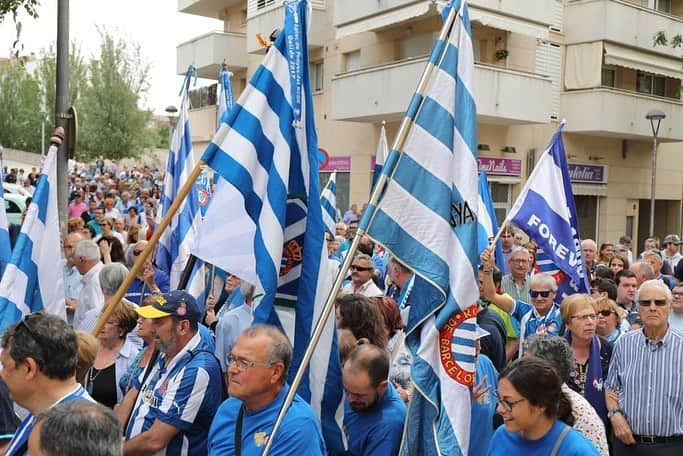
559,440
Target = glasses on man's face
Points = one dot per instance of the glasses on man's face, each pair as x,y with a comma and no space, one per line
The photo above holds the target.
649,302
677,294
537,293
243,364
359,268
507,405
519,261
605,313
585,318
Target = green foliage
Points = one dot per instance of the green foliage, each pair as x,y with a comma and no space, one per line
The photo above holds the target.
111,123
676,41
14,7
164,133
659,39
20,113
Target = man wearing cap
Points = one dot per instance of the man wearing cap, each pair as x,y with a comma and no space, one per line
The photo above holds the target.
176,403
671,253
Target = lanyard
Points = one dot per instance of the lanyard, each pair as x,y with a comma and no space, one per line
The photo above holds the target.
238,432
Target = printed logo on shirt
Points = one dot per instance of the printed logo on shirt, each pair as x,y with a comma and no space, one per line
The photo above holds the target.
260,439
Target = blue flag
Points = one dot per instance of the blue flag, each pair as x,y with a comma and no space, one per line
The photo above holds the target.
427,218
34,278
265,221
329,203
545,211
488,224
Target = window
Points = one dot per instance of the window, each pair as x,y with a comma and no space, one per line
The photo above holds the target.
609,76
352,60
260,4
660,5
651,84
11,207
343,182
501,194
317,71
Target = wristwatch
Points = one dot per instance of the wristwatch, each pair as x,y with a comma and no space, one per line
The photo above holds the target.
613,412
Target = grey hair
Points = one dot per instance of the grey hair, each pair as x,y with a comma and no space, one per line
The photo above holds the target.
518,249
246,288
654,252
655,283
644,269
111,277
366,258
543,280
280,350
79,427
554,349
87,249
404,269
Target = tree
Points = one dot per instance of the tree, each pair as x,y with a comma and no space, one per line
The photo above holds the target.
20,112
14,7
660,39
112,124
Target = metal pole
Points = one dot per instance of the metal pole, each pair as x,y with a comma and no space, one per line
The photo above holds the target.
652,188
62,104
413,110
42,137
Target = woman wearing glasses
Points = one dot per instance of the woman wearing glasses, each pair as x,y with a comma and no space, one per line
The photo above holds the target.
609,319
591,353
537,415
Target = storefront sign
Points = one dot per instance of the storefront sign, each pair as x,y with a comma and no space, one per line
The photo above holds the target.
327,163
500,166
591,174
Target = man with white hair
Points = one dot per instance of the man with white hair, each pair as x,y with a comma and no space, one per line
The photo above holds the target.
590,250
87,261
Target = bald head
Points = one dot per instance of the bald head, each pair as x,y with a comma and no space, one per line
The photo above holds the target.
368,359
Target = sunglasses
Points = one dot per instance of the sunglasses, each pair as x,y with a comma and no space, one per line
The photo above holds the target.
605,313
648,303
360,268
543,294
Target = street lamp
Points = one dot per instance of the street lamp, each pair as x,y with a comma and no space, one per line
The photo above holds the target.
43,118
655,117
171,111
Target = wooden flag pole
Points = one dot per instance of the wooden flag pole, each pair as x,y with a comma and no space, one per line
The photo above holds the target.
113,302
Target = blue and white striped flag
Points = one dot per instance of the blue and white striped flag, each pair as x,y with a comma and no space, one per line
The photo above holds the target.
5,245
380,154
173,251
34,278
329,203
265,222
488,224
225,96
427,218
545,211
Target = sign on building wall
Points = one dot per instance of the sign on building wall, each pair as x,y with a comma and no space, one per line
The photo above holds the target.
328,163
590,174
500,166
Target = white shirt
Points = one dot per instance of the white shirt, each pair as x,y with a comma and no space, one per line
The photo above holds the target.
368,289
91,296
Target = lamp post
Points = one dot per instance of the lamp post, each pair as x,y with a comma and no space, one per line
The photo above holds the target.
171,111
43,118
655,117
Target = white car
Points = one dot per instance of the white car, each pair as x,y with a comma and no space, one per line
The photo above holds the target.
15,188
15,205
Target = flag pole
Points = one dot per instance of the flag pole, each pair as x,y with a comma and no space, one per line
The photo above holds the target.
413,109
113,302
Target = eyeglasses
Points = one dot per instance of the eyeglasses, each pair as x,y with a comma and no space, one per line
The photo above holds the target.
507,405
23,323
519,261
104,224
585,317
649,302
677,295
243,364
543,294
137,252
359,268
605,313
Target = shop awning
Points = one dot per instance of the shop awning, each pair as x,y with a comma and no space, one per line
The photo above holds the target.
388,19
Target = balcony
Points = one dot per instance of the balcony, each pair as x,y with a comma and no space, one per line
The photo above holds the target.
203,123
206,8
620,22
207,52
264,16
382,92
619,113
528,16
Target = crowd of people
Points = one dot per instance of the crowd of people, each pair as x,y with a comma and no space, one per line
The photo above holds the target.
581,374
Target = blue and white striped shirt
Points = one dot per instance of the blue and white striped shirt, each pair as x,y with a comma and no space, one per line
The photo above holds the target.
184,392
650,380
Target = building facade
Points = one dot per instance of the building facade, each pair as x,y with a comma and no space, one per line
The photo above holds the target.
591,62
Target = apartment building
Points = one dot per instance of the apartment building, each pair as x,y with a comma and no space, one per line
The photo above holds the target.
591,62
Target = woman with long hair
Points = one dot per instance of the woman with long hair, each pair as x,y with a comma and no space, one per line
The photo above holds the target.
605,253
362,317
537,415
618,263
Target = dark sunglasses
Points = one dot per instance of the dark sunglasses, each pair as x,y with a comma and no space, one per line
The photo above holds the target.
544,294
359,268
605,313
648,303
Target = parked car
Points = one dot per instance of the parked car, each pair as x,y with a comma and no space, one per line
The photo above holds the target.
15,205
15,188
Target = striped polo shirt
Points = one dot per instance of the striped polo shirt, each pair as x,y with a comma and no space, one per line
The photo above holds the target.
184,392
650,379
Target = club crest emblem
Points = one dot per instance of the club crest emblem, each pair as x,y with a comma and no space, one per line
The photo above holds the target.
456,346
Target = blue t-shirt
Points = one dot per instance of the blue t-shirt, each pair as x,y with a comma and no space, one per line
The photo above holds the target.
532,323
483,409
376,431
183,392
574,444
138,290
299,433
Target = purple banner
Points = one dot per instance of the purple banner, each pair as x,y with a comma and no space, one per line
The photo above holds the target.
500,166
593,174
